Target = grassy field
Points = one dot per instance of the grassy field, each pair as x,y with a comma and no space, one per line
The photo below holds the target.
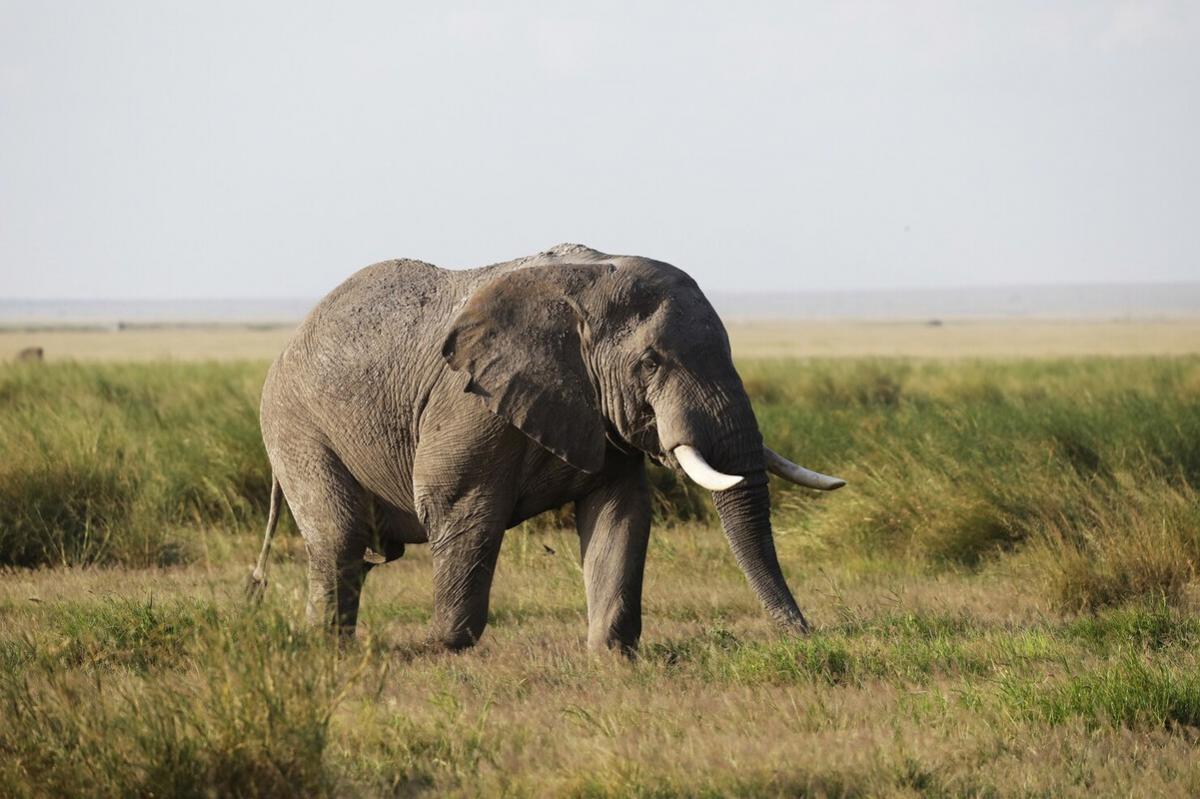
953,338
1005,599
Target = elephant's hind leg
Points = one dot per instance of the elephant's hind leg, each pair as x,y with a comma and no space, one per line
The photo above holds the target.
329,507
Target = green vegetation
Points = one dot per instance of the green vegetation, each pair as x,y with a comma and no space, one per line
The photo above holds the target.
1005,600
125,463
1085,472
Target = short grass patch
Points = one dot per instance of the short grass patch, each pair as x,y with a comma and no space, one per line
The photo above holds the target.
121,690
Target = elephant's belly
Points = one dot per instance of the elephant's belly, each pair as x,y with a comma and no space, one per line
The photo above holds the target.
549,488
398,524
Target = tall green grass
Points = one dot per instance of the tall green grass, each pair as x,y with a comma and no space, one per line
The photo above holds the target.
120,463
181,702
1086,471
1083,472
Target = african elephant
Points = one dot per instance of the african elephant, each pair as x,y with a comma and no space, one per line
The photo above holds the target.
421,405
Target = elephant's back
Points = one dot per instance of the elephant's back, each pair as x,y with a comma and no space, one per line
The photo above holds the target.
369,341
353,374
381,298
377,313
386,320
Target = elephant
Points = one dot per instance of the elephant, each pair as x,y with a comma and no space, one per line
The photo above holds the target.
420,405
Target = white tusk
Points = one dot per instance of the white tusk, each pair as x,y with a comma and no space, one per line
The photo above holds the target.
698,469
777,464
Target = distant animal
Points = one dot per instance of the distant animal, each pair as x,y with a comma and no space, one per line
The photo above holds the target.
31,354
421,405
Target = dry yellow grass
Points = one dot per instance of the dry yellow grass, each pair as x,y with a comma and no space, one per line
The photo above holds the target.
232,342
914,684
1041,338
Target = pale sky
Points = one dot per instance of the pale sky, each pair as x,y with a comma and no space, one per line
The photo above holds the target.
235,149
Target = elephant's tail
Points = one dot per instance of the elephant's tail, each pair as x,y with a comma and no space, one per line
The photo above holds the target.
256,584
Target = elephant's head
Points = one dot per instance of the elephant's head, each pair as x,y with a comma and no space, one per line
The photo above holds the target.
582,350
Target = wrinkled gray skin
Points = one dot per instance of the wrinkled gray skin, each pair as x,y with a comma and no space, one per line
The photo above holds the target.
417,404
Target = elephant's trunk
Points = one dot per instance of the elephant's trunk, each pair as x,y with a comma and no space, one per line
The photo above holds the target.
717,443
745,512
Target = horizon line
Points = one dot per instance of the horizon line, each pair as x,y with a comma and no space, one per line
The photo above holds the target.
736,292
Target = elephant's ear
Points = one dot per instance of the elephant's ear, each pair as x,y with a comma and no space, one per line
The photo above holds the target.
519,337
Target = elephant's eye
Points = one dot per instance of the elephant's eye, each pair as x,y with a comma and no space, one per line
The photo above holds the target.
649,362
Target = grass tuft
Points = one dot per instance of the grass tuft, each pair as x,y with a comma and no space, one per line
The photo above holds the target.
1129,693
236,706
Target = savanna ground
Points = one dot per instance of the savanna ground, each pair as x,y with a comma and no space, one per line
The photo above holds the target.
953,338
1006,597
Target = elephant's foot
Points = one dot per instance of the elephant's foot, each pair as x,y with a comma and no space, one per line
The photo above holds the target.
341,629
453,641
613,645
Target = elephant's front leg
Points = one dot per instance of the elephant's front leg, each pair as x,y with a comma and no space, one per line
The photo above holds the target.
465,471
465,531
614,530
464,561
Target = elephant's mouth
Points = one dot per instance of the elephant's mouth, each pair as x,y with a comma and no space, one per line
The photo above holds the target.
644,438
